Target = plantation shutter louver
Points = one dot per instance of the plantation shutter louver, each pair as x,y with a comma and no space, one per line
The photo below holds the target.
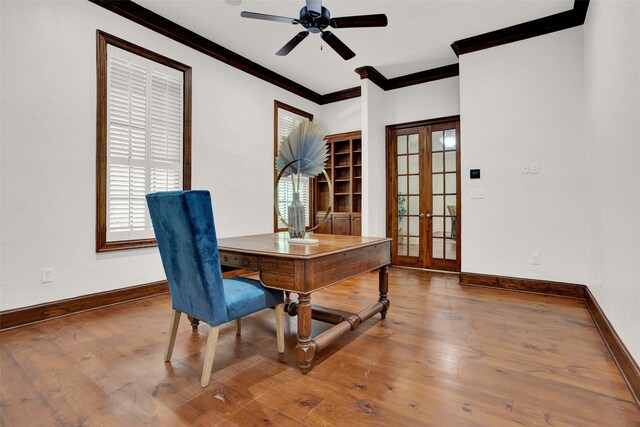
144,140
287,121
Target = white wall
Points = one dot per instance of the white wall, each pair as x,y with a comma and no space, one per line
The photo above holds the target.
440,98
373,160
612,82
48,97
340,117
521,103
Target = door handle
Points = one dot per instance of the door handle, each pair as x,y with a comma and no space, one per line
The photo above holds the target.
428,215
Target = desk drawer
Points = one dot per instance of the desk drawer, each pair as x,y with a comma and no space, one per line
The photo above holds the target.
239,260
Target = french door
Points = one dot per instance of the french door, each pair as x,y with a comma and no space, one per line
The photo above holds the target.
423,193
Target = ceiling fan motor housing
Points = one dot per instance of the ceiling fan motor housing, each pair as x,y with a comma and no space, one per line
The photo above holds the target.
313,22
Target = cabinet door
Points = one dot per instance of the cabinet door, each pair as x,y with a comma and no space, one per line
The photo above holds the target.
356,226
342,224
325,227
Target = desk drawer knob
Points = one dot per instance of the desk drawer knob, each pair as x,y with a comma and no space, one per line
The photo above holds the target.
225,258
245,262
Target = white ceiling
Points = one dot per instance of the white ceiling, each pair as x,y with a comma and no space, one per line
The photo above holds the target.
417,38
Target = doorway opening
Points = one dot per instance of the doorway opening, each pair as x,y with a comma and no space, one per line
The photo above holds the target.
423,193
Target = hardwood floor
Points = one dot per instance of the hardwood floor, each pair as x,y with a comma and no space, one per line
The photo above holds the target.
445,356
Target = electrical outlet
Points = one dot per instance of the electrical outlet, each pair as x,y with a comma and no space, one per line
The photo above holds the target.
535,258
46,275
534,167
525,168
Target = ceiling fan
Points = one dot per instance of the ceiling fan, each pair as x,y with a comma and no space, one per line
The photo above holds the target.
316,18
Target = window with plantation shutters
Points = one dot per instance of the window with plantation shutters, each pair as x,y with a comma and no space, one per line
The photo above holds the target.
143,138
287,118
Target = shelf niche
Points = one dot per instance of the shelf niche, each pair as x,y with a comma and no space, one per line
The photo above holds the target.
344,166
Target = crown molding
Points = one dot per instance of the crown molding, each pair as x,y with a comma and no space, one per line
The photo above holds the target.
425,76
538,27
341,95
369,72
151,20
143,16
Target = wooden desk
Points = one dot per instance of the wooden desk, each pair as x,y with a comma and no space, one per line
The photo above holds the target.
304,269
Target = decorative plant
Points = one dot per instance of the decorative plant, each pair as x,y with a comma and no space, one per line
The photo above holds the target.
402,210
304,151
402,205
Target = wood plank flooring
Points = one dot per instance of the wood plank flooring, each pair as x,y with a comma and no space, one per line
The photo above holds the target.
446,355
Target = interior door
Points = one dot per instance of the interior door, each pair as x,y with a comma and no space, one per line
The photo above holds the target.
423,206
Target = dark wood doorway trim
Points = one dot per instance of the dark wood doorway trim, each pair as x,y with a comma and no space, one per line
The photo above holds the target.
389,205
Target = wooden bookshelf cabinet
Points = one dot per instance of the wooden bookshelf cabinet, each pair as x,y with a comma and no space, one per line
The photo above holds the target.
345,169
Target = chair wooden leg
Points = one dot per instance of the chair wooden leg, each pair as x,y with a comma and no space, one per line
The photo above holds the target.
239,326
171,337
280,327
209,354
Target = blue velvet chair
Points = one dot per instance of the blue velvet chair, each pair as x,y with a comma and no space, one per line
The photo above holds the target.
186,235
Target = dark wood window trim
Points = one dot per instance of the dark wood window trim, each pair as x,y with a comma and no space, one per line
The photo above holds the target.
277,104
104,39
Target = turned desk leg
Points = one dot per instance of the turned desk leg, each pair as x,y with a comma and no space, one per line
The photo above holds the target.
383,284
194,323
305,349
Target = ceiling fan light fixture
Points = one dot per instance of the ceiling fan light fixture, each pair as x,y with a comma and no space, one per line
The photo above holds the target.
316,18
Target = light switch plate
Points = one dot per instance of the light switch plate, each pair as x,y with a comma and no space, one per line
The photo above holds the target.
534,167
477,193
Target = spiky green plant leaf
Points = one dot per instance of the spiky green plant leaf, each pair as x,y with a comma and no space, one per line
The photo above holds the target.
306,144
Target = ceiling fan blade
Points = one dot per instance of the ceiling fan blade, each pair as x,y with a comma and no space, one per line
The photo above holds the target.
379,20
314,7
264,17
337,45
295,41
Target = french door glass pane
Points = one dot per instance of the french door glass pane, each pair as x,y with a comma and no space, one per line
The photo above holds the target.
413,143
402,185
403,246
436,162
450,161
438,205
438,184
414,164
438,226
402,164
437,248
450,183
414,184
449,139
451,205
450,249
414,246
436,141
414,205
402,144
448,227
414,225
